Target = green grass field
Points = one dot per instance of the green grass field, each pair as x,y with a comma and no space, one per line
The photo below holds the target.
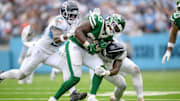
158,86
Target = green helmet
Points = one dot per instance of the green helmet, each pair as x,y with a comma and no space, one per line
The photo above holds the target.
115,23
178,5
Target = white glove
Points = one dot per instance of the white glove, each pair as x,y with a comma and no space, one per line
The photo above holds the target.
101,71
97,11
166,56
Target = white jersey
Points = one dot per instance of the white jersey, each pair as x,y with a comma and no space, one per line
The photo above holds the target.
46,42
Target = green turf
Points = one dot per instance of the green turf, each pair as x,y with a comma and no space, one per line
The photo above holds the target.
42,87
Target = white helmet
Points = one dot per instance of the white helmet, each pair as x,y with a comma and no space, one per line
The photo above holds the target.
70,11
27,33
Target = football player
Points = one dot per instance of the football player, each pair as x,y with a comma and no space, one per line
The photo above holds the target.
175,19
115,59
28,37
90,37
46,47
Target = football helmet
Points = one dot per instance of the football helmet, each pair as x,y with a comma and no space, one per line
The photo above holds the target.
178,5
114,24
70,11
114,51
27,33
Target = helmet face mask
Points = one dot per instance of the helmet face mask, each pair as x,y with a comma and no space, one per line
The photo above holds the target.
70,11
178,6
114,24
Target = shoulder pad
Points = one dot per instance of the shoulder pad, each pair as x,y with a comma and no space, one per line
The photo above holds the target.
174,16
59,22
95,19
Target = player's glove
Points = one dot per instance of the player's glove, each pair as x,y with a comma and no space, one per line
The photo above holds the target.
102,44
92,48
166,56
102,72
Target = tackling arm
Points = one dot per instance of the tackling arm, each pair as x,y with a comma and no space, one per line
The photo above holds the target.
116,67
58,35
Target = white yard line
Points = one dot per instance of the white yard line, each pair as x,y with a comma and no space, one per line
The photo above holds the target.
127,93
50,88
146,93
67,99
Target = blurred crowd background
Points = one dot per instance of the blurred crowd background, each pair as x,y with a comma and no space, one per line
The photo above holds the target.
142,16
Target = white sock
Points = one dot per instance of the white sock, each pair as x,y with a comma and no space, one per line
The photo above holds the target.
138,84
11,74
92,96
72,89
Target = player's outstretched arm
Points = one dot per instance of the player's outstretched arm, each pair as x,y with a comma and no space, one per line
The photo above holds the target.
172,41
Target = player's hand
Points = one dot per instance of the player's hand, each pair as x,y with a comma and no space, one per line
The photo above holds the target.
102,72
166,56
92,49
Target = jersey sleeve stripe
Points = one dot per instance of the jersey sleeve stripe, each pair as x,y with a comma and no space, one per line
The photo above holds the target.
93,19
90,20
171,18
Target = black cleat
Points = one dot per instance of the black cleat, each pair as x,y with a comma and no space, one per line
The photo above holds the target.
0,78
75,96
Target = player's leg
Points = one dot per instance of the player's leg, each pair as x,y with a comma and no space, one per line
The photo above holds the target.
26,79
131,68
120,84
53,73
93,61
26,68
29,79
74,62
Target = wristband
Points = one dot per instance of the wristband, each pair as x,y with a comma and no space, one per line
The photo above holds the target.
170,44
86,44
69,34
107,73
62,38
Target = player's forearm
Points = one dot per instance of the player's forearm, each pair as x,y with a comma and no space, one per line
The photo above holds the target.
58,36
172,37
80,35
116,67
81,31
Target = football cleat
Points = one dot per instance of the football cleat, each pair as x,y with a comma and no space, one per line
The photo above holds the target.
112,98
75,96
52,99
0,78
92,98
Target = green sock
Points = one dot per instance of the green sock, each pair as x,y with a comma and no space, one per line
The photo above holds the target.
66,86
96,83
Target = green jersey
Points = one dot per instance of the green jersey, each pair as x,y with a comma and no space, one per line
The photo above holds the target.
175,17
97,32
